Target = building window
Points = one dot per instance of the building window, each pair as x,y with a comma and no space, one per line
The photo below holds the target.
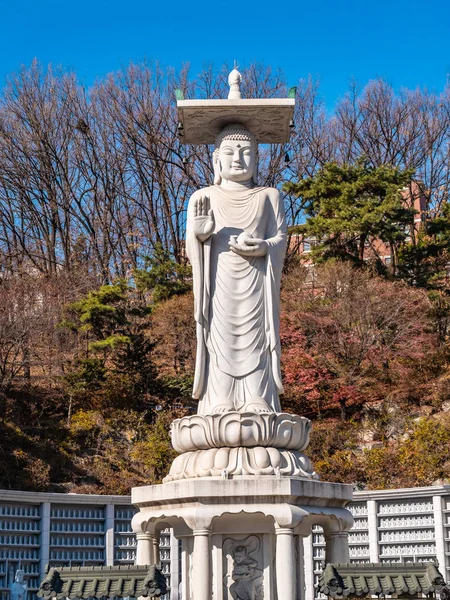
309,243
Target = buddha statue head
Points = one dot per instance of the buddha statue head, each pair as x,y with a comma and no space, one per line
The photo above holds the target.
235,157
19,576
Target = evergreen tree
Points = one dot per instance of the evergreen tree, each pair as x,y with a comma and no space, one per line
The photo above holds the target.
103,314
426,264
350,206
163,276
117,364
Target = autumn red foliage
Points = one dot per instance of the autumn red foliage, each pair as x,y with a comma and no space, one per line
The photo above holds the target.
350,337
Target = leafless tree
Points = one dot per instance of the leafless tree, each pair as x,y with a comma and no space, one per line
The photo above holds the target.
410,130
97,179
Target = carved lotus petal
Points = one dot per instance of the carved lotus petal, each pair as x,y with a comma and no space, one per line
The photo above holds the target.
275,457
286,431
207,459
252,431
261,458
229,429
221,459
194,434
234,429
241,461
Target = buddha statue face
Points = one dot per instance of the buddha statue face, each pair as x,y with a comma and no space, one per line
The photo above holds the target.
236,155
236,160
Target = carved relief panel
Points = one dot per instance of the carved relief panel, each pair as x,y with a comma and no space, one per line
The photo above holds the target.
243,568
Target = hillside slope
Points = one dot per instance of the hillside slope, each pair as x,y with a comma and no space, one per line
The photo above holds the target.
361,359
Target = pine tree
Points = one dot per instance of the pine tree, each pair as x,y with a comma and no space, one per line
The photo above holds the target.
350,206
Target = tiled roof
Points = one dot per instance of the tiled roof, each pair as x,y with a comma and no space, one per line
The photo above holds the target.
375,579
99,582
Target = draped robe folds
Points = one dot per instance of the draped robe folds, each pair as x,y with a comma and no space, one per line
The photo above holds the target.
237,301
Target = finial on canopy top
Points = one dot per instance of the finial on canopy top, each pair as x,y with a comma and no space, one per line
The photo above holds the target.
234,81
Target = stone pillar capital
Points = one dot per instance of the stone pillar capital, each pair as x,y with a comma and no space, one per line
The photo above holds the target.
288,516
201,532
336,534
143,535
340,521
284,531
199,520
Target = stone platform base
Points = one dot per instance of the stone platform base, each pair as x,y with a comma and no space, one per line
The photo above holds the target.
242,537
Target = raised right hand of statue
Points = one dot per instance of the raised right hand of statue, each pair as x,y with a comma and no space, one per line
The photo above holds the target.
203,219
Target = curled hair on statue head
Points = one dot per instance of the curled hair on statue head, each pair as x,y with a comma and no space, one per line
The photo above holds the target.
234,132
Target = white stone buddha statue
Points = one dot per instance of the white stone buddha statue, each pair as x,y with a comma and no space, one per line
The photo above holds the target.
236,242
19,587
241,495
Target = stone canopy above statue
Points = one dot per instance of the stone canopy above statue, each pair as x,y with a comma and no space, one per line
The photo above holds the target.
268,119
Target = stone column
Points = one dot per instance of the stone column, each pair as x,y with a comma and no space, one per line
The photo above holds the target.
156,555
144,550
174,567
301,584
185,567
336,547
285,557
109,534
45,537
309,567
201,569
217,557
439,532
372,522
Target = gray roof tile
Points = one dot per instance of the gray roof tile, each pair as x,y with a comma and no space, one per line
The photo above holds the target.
374,579
100,582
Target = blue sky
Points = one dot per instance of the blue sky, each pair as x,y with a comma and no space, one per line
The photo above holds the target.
407,42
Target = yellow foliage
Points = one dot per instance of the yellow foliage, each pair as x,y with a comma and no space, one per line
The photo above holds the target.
155,452
85,421
419,458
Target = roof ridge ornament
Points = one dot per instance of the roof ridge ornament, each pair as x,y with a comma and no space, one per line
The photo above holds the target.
234,81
